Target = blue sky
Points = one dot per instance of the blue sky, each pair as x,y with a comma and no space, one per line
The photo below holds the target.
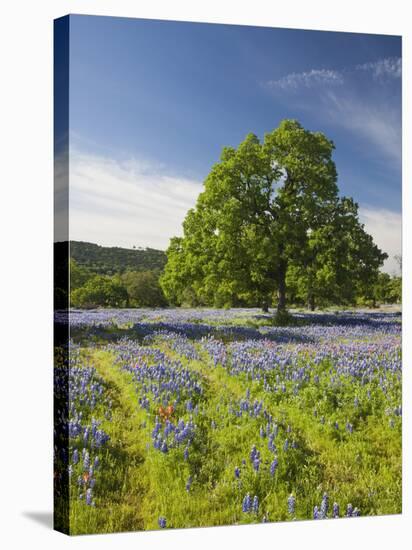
153,102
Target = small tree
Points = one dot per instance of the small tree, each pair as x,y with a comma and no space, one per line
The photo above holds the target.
143,289
100,291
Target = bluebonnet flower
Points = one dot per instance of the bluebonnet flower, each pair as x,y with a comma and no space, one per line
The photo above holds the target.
100,438
89,497
349,510
246,504
75,456
189,483
273,466
186,453
335,511
156,428
169,427
253,453
291,504
237,473
255,505
324,507
86,460
356,513
86,434
164,448
162,522
315,512
349,427
271,443
256,464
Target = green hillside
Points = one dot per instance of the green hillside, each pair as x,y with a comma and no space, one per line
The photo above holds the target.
106,260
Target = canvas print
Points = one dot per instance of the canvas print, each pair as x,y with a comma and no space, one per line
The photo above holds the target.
228,275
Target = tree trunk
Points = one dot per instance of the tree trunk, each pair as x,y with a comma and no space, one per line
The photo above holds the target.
265,307
311,302
282,287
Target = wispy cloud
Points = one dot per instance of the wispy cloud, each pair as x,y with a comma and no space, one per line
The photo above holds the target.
129,203
390,67
385,226
377,122
309,79
386,68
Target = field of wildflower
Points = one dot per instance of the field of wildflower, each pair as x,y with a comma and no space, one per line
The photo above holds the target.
194,417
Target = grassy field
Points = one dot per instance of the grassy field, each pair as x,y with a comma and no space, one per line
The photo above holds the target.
186,418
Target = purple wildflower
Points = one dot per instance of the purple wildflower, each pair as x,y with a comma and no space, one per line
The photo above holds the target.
162,522
291,504
255,504
273,466
246,504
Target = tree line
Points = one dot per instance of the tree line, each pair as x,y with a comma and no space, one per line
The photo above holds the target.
127,289
143,289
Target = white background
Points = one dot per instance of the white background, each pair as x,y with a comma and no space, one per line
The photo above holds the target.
26,218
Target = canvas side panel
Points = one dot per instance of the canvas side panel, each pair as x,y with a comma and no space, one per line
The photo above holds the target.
61,273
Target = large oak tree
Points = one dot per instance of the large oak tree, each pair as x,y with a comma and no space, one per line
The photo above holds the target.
270,212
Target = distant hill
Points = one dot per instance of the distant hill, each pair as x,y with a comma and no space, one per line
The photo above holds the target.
109,260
